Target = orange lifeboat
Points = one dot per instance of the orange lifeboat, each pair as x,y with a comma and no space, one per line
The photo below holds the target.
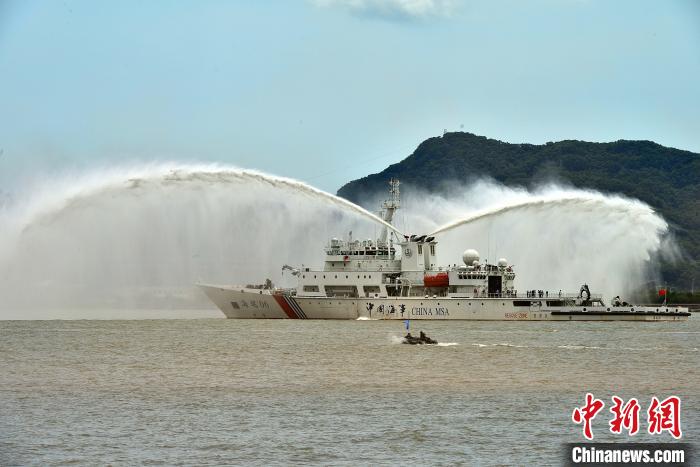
441,279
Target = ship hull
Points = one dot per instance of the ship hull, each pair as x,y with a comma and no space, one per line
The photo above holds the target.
244,303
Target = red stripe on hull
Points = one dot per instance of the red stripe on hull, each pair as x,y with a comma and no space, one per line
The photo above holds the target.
285,306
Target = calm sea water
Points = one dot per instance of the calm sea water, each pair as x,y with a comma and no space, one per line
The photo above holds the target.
215,391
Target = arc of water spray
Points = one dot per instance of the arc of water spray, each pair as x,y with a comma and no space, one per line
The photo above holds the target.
275,182
591,199
168,174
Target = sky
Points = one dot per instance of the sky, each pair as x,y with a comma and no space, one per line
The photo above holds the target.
327,91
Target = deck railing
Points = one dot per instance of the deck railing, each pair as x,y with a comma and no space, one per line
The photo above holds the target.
537,296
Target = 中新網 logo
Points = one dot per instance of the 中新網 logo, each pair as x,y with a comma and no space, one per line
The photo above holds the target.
661,416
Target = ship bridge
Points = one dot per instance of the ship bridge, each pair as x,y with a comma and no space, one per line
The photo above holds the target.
352,268
366,250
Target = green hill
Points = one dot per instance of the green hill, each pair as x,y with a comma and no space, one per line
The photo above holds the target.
667,179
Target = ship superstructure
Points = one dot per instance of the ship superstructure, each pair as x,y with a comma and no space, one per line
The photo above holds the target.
398,277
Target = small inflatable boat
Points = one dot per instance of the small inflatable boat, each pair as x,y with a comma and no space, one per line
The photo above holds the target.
423,339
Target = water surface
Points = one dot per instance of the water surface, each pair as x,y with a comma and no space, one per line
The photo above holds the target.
215,391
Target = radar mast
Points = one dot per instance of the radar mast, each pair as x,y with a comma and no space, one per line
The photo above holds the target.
390,206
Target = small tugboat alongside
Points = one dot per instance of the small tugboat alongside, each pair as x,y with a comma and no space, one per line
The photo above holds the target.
397,277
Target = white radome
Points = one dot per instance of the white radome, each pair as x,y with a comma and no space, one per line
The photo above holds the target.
502,262
470,256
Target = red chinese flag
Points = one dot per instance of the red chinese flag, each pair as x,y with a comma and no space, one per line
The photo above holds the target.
662,292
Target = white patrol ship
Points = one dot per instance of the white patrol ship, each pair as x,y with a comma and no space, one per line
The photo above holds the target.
397,278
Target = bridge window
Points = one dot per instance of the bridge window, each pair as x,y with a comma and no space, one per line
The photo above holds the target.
420,249
432,250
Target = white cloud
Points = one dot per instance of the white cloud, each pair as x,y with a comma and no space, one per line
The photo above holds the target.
393,8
